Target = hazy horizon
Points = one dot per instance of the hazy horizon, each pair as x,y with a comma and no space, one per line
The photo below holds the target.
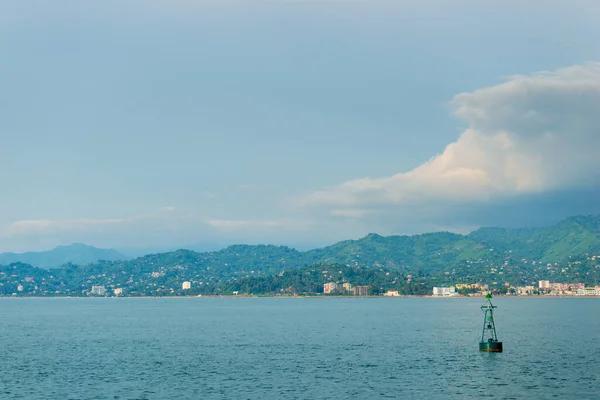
139,251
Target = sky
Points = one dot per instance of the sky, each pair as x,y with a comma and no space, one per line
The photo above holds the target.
155,124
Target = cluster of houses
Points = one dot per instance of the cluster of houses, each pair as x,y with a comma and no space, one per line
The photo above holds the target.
565,289
546,288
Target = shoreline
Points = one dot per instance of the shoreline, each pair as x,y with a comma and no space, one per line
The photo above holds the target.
295,297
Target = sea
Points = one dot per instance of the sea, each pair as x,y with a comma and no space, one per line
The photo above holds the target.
297,348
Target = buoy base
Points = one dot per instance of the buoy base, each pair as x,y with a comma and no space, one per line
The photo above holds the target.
491,346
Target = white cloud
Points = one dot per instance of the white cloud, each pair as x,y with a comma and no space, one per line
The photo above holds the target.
236,225
350,212
164,216
164,227
531,134
44,226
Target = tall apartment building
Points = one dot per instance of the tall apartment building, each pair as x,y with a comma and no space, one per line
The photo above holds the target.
98,290
444,291
186,285
360,290
544,284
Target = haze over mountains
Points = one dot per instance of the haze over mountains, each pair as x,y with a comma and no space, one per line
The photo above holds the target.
76,253
571,237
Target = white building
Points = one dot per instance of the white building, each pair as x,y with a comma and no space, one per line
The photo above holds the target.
525,290
444,291
588,291
329,287
186,285
347,287
118,291
544,284
99,290
392,293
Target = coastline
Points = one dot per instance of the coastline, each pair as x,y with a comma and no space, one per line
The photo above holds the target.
295,297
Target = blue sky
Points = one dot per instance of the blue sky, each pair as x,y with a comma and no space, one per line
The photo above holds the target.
161,124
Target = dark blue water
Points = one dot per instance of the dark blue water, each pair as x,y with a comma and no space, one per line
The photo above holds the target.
296,349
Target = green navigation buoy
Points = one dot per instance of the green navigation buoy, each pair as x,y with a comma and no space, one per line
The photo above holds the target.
489,340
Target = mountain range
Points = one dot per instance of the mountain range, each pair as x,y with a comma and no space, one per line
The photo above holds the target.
76,253
571,237
568,251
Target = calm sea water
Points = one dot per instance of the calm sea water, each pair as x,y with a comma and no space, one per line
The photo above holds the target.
296,349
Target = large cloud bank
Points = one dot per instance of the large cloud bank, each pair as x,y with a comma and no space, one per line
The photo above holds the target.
530,135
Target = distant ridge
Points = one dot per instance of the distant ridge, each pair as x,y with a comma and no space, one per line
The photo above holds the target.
76,253
429,253
571,237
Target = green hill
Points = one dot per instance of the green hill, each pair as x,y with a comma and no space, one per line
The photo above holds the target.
431,252
571,237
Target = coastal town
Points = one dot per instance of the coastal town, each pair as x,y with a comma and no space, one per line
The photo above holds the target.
28,286
92,287
543,288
